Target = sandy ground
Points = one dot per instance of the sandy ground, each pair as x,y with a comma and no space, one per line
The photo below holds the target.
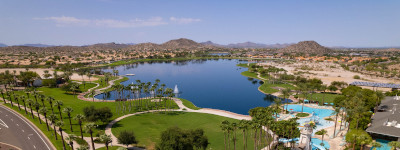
329,72
40,71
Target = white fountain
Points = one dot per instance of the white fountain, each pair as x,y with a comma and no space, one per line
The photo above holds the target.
176,91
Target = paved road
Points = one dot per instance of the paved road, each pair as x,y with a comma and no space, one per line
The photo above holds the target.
17,131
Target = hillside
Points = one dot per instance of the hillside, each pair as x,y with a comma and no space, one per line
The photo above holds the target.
3,45
181,43
306,47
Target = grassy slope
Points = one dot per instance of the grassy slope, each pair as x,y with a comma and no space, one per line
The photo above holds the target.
189,104
109,148
148,127
268,88
249,74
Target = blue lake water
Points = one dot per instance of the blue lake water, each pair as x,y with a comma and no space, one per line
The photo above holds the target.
214,84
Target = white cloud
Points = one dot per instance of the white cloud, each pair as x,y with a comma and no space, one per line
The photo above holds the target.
111,23
184,20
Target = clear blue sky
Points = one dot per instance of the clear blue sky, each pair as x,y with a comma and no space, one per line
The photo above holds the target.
367,23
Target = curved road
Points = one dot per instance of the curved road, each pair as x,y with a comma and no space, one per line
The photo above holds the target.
16,130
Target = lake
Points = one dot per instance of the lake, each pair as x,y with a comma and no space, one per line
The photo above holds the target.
214,84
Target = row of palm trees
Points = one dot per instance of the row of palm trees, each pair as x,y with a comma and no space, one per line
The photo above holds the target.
50,118
263,127
138,96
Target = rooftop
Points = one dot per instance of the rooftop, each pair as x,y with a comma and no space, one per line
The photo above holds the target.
387,120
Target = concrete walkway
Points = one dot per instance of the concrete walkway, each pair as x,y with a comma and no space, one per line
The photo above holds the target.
81,96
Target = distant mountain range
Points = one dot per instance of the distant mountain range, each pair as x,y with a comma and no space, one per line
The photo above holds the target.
248,45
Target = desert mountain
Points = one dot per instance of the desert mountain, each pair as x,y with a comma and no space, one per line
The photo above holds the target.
3,45
306,47
111,45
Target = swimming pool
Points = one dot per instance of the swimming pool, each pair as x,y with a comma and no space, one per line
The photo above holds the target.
316,142
321,113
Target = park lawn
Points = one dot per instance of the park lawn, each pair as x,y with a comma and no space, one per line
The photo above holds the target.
42,127
78,105
249,74
268,88
329,97
245,65
86,87
148,127
189,104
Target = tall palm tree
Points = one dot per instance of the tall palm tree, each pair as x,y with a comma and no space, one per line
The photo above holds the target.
43,111
336,113
323,89
106,139
224,127
36,105
286,92
244,125
68,111
364,139
50,100
89,128
234,127
59,124
58,104
42,98
30,103
70,138
53,118
322,132
16,99
80,118
2,94
22,97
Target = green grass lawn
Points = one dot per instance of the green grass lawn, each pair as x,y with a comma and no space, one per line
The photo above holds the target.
268,88
78,105
189,104
148,128
329,97
250,74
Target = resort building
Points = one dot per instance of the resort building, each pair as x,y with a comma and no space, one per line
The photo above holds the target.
386,121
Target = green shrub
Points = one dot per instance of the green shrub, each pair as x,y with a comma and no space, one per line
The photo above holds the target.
81,141
356,77
302,115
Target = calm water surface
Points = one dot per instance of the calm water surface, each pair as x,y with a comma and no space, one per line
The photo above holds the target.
214,84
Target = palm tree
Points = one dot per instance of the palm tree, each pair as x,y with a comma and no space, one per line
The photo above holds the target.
53,118
322,132
244,125
2,94
59,124
68,111
89,128
106,139
58,104
43,111
22,97
50,100
323,88
42,98
80,118
17,100
224,127
30,103
70,138
234,127
364,139
36,105
285,92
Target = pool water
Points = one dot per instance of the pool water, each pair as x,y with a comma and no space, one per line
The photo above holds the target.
384,145
316,142
321,113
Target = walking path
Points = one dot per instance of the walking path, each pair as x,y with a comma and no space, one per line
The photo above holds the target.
81,96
